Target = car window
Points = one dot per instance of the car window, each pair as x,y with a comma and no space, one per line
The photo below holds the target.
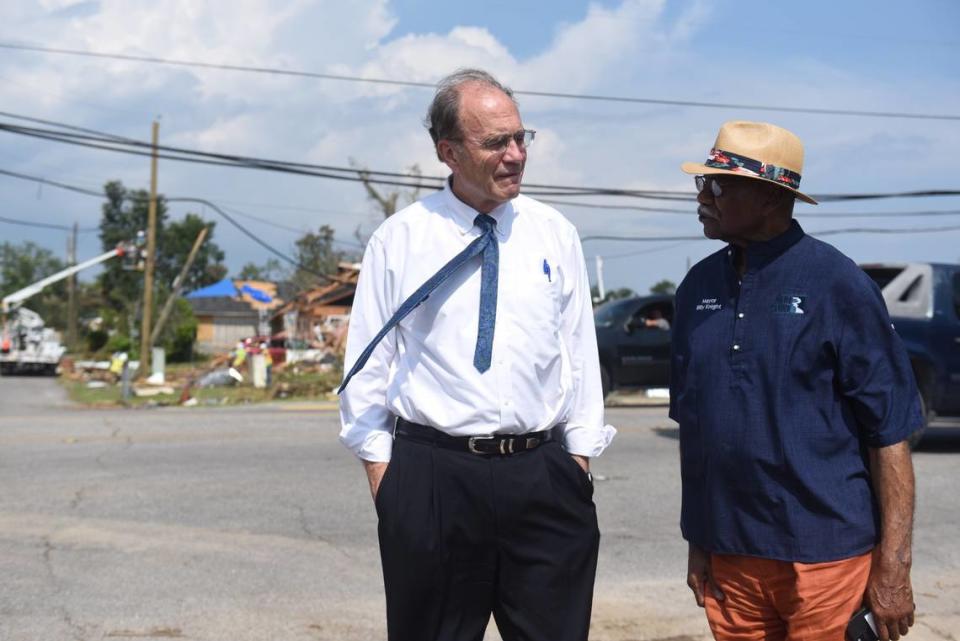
882,275
657,315
608,314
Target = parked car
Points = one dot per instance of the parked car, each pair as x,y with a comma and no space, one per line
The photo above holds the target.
923,300
633,338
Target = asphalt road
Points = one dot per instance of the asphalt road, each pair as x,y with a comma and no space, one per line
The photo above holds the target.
254,524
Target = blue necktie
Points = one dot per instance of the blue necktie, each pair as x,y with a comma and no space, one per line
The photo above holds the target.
485,244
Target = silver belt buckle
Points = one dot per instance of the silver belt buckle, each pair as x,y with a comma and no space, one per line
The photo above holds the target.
471,443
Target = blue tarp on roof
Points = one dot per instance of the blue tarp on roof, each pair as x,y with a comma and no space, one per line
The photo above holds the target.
256,294
225,288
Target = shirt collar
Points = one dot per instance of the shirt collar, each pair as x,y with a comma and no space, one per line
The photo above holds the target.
464,215
761,253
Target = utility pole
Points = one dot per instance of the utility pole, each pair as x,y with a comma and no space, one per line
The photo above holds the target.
72,291
178,285
601,293
151,260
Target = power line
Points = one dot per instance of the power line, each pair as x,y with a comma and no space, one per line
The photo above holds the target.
677,239
201,201
52,183
805,214
351,174
108,142
650,250
300,208
258,240
207,158
641,239
818,232
295,230
62,125
29,223
428,85
881,230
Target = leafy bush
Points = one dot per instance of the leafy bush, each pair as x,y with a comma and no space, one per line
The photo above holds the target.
180,333
118,343
96,339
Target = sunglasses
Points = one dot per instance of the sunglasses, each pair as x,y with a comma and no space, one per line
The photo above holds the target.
703,181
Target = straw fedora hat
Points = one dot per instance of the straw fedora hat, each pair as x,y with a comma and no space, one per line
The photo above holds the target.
755,150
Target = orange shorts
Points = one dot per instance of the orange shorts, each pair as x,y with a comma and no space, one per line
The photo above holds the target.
777,600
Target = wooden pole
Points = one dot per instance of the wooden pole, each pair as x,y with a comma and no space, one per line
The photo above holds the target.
178,285
72,292
145,344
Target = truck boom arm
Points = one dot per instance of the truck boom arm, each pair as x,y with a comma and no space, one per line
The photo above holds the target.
17,297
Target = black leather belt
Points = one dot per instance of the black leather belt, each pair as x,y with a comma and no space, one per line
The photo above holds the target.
493,445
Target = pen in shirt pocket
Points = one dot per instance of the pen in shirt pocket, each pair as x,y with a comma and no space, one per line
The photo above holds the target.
546,270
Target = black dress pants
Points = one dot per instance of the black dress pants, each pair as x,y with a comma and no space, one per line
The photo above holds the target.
463,536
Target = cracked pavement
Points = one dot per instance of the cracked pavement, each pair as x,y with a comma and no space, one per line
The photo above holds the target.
253,523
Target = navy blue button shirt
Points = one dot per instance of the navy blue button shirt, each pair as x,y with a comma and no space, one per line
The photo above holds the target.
781,380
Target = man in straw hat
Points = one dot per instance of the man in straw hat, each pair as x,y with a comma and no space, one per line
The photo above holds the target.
795,398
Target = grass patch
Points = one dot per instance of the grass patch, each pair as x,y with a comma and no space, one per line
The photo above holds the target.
294,383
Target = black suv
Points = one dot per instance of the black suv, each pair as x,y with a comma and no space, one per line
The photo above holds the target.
633,337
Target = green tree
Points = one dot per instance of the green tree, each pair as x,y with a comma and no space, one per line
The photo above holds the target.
124,215
315,255
664,287
24,264
176,240
610,294
271,271
179,333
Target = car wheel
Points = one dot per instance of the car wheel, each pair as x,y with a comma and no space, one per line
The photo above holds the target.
605,382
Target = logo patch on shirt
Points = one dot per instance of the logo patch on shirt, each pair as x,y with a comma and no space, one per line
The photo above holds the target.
709,304
790,304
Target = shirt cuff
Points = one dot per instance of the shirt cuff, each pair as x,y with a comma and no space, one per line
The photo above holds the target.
587,441
377,447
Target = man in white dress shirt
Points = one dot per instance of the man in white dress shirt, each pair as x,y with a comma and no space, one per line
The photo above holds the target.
476,415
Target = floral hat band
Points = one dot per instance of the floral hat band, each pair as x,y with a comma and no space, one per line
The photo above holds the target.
781,151
720,159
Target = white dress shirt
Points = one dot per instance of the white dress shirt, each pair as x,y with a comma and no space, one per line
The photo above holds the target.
544,371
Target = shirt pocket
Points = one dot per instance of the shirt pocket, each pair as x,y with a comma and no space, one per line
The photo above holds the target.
532,287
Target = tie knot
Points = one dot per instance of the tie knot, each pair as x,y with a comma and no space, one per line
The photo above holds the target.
485,223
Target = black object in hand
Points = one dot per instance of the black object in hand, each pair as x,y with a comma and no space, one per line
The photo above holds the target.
861,627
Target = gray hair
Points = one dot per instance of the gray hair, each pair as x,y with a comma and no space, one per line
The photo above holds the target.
443,116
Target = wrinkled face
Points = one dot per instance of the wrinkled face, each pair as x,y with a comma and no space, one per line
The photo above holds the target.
739,214
486,173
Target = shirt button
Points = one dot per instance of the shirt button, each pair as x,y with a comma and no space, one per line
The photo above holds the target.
506,403
740,315
736,348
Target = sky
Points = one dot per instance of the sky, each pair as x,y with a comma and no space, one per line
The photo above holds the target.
858,55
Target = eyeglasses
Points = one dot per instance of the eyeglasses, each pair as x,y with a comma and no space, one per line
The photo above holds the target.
499,144
703,181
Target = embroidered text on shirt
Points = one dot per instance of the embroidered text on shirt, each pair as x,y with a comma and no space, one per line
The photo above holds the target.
709,304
